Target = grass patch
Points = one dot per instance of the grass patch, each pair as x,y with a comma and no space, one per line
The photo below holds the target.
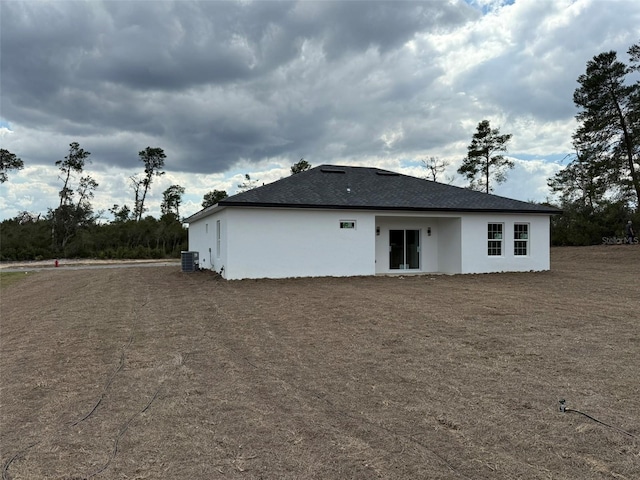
9,278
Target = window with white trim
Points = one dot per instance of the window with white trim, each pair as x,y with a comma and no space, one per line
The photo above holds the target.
521,239
348,224
218,238
494,239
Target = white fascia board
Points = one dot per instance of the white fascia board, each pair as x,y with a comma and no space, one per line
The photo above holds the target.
204,213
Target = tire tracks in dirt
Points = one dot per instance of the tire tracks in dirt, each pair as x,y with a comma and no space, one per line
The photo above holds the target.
121,434
23,452
108,384
311,396
125,426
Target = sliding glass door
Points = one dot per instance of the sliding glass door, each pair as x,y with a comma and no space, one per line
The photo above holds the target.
404,249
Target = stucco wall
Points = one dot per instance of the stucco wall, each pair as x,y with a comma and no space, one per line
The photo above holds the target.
458,243
449,245
474,244
202,239
198,240
279,243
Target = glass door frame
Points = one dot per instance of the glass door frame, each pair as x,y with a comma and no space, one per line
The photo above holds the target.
404,253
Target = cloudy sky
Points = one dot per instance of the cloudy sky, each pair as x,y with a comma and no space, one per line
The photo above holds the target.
234,87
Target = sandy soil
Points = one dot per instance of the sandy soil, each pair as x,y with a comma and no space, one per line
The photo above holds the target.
77,262
148,373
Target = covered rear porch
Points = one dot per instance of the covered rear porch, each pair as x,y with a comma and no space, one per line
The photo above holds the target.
414,244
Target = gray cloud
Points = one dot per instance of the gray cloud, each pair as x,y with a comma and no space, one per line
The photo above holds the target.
356,26
544,55
218,81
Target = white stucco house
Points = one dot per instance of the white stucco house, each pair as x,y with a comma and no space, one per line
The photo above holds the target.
346,221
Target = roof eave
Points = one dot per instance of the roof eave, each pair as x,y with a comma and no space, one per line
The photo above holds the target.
205,212
388,208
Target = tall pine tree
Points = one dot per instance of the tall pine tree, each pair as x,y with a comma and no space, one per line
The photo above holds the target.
484,161
609,123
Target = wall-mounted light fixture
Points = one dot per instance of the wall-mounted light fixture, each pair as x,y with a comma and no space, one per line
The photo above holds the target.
428,231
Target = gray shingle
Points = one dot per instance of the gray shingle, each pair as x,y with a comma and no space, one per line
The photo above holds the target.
343,187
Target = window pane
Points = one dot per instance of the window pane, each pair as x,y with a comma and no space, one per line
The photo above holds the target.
494,234
218,238
495,247
396,249
413,248
520,248
520,239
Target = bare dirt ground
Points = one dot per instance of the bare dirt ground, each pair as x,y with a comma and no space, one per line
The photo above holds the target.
76,263
151,373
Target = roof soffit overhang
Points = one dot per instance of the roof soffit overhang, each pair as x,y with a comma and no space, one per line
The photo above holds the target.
204,213
541,211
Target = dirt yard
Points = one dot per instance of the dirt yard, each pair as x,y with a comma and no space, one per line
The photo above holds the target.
151,373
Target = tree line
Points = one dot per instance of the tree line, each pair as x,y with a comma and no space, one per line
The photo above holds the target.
73,229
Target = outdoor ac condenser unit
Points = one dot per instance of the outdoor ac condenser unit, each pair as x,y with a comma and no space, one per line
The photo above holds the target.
190,261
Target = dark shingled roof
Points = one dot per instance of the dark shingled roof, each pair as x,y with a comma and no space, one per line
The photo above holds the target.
342,187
